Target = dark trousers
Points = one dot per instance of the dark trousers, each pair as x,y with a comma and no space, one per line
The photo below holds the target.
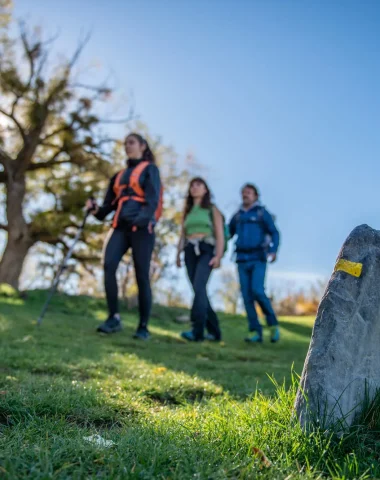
199,271
252,278
141,242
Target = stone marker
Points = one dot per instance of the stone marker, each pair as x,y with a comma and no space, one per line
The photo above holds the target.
343,361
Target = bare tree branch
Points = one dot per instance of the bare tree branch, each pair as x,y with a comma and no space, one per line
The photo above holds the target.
64,128
85,258
30,53
49,145
121,120
49,164
106,140
100,89
58,131
15,121
3,227
79,51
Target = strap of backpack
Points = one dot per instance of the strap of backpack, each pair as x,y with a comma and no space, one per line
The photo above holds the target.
212,215
260,215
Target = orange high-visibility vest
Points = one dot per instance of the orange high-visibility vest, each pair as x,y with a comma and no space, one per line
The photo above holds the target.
137,193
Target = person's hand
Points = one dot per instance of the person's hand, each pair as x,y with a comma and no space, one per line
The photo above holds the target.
91,206
215,262
179,262
271,257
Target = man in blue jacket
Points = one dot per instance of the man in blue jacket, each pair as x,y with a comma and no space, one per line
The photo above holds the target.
256,245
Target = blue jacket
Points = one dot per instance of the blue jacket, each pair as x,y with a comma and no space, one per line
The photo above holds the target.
256,233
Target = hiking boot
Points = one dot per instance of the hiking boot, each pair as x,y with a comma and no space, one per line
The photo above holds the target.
275,334
256,338
111,325
212,338
189,336
142,334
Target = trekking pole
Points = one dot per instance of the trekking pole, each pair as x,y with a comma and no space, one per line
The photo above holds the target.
62,268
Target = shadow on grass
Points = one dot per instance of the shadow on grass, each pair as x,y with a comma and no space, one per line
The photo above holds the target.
51,400
67,345
150,445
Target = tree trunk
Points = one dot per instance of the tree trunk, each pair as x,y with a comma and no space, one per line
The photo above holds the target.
12,261
19,238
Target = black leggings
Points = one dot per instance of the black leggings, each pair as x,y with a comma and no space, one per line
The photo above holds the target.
199,271
142,243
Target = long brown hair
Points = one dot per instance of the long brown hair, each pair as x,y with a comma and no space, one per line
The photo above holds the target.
148,155
206,200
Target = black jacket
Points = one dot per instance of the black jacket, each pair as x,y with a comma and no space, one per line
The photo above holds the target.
134,213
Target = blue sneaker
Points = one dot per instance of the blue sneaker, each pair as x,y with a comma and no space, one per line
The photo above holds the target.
142,334
189,336
275,336
256,338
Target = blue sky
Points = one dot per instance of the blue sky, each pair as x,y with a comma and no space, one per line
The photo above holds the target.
281,93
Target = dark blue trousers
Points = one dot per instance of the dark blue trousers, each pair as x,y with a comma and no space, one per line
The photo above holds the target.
252,278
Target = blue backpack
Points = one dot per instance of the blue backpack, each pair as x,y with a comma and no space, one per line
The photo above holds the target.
260,216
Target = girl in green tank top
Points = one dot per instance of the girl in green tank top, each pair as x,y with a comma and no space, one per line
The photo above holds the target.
202,240
198,222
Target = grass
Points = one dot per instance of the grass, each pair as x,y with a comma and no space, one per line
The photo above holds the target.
173,410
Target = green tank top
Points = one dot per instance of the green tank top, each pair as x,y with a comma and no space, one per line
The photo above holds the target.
198,221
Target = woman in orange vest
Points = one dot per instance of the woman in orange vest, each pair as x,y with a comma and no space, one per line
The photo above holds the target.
135,194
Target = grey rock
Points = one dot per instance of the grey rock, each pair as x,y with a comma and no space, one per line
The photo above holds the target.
342,366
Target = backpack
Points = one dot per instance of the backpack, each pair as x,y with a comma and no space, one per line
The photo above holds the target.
227,235
138,194
226,229
260,215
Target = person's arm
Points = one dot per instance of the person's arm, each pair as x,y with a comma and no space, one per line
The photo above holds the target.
100,212
272,230
232,225
219,237
152,187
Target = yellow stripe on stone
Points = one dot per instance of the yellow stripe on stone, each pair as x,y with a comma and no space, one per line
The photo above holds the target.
352,268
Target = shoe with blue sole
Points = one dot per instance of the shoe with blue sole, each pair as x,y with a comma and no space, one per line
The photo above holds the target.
275,334
256,338
189,336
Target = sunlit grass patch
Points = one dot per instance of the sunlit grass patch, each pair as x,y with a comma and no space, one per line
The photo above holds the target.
173,410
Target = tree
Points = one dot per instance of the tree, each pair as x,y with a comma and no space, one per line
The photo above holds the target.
53,152
300,301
